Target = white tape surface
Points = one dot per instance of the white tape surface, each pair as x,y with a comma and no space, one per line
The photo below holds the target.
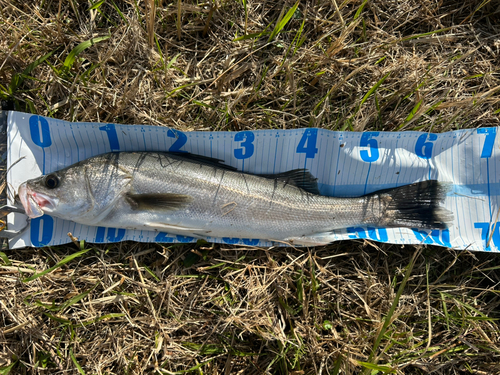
345,163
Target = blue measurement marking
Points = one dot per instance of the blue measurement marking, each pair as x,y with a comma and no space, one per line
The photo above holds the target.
327,168
61,143
367,177
76,144
276,153
340,139
396,157
489,191
80,134
457,150
94,143
290,162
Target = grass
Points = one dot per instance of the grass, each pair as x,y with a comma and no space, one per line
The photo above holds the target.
351,307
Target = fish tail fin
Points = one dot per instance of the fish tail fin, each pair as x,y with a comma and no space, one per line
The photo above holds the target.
416,206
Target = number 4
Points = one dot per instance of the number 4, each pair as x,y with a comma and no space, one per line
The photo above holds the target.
307,144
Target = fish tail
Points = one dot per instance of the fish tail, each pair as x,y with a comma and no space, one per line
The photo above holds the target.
416,206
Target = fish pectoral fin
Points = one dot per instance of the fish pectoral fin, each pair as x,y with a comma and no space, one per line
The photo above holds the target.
178,228
158,202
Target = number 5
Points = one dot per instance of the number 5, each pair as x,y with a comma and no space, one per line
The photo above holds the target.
367,140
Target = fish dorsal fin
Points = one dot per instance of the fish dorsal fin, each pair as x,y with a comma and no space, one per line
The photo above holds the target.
158,202
206,160
301,178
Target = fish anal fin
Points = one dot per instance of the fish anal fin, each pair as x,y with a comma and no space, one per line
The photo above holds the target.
179,229
318,239
158,202
301,178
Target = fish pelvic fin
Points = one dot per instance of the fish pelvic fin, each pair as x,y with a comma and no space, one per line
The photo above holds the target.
158,202
416,206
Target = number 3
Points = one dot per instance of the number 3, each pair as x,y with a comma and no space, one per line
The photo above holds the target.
246,138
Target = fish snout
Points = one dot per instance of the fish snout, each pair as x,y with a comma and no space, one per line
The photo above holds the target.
31,206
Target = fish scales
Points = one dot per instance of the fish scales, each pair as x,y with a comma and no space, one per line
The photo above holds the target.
179,195
231,203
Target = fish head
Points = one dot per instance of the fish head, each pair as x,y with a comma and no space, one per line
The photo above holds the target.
55,194
80,193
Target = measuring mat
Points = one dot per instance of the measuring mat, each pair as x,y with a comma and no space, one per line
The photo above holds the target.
346,164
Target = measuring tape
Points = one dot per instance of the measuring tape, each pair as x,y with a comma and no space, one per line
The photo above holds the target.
345,164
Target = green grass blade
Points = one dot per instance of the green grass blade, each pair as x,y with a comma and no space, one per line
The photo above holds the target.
70,59
19,78
74,300
250,36
298,37
97,5
172,61
372,90
153,275
433,107
425,34
204,349
282,23
6,370
104,317
57,319
338,363
387,320
378,368
412,114
360,9
68,259
203,104
414,111
5,259
120,13
73,358
245,6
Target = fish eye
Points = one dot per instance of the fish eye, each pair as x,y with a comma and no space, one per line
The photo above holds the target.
51,181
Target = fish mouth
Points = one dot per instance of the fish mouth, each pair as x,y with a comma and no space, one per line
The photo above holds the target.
36,204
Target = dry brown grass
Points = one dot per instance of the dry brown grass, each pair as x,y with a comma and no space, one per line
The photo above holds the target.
136,308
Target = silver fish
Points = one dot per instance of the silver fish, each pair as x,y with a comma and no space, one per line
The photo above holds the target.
198,196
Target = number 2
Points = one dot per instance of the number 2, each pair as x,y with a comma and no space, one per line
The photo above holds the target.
181,140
